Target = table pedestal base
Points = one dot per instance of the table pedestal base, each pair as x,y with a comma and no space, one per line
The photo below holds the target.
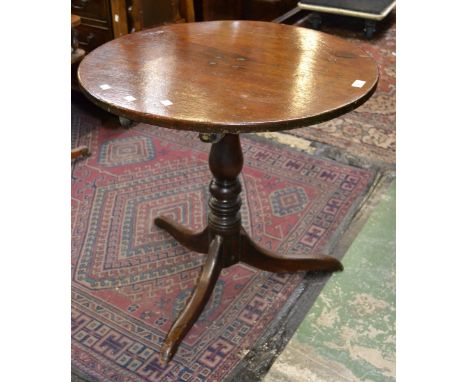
225,241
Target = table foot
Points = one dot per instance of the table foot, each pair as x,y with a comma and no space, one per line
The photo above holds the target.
262,258
195,241
200,296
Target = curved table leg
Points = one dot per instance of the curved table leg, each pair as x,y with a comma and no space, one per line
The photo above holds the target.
195,241
266,260
200,296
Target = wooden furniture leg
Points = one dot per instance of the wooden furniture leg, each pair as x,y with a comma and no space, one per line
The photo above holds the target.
266,260
81,151
200,296
228,241
195,241
187,10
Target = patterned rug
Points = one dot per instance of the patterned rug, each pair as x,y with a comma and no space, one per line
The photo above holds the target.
369,131
130,280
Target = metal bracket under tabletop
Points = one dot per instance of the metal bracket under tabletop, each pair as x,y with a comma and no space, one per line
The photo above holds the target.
126,123
210,137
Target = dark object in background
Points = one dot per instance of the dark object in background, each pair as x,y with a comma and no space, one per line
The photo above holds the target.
207,10
266,10
77,54
371,11
104,20
97,26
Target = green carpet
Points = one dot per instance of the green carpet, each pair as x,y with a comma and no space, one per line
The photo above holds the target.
349,333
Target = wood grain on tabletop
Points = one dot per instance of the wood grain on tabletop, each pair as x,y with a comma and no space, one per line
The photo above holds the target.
228,76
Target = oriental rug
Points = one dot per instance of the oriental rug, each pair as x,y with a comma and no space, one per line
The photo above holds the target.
130,279
370,130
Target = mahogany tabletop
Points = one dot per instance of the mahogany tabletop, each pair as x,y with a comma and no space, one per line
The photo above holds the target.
228,76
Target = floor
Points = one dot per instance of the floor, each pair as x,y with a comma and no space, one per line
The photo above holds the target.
349,333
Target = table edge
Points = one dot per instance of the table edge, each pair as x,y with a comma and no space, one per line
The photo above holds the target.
233,128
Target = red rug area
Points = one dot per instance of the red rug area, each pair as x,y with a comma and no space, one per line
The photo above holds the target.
370,130
130,279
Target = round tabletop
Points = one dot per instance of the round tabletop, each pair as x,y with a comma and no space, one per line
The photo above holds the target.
228,76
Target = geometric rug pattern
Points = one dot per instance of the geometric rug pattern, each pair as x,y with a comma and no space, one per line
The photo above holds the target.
370,130
130,279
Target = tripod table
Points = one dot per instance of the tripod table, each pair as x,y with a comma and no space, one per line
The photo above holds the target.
221,79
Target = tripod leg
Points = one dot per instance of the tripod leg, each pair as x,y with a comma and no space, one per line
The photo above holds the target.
195,241
266,260
200,296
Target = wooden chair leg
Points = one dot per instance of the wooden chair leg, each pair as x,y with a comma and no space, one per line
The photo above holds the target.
266,260
187,10
195,241
200,296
